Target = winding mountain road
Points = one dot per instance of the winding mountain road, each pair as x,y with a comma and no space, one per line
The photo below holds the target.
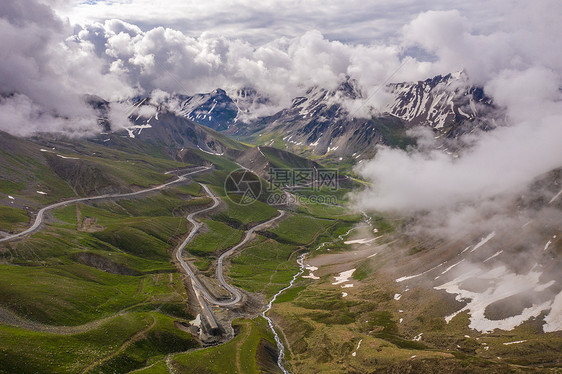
236,293
41,213
199,288
220,262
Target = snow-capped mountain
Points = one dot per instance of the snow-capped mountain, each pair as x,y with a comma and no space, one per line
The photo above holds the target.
324,122
320,121
215,109
220,110
158,124
327,122
442,102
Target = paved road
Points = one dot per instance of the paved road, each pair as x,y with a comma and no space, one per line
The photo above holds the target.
236,293
220,273
41,213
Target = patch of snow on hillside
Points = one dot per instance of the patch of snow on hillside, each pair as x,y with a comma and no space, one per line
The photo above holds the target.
493,256
402,279
311,269
138,128
356,349
517,342
67,157
503,284
484,241
360,241
554,318
343,277
450,267
555,197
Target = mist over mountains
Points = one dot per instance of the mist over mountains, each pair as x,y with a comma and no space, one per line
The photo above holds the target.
280,186
334,98
117,60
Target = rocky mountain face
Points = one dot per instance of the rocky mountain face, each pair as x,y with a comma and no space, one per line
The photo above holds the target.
218,109
158,125
446,103
215,109
326,122
322,122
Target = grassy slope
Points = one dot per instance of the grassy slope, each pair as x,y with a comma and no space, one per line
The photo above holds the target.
12,218
218,238
138,335
68,277
323,328
89,168
240,355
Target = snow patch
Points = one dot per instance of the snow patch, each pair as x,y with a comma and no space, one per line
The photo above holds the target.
555,197
362,241
494,255
67,157
402,279
450,267
504,284
484,241
196,321
138,128
554,318
356,349
311,269
343,277
517,342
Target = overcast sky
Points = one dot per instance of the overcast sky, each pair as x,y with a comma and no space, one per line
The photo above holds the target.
53,52
355,21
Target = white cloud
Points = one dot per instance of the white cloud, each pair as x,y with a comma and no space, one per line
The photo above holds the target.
260,22
43,79
522,73
203,46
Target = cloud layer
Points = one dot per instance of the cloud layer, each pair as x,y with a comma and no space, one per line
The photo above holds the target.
522,71
260,22
42,78
50,63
